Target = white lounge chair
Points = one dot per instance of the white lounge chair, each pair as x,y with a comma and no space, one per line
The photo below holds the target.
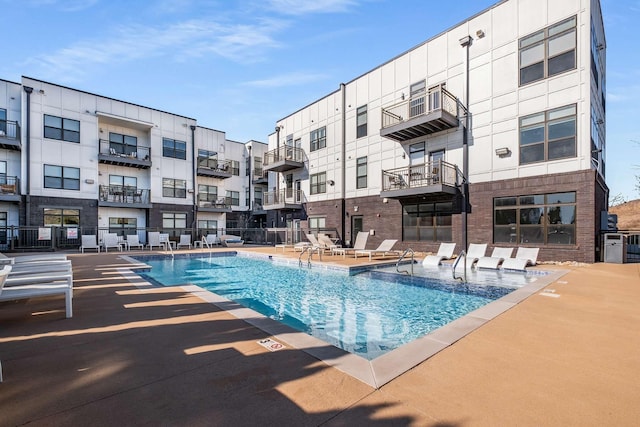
185,240
110,240
89,242
497,256
475,252
444,252
524,257
327,243
26,286
384,249
153,239
210,240
359,245
133,241
230,240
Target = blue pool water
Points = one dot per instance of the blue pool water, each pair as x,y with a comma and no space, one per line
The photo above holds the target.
367,314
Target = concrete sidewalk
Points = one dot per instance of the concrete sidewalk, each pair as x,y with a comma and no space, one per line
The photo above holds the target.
160,356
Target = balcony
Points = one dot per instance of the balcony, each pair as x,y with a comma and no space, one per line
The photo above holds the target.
214,168
437,178
119,196
10,135
212,203
9,188
260,176
124,155
283,159
424,114
258,208
284,199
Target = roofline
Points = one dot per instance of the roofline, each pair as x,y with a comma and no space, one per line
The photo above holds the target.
401,54
107,97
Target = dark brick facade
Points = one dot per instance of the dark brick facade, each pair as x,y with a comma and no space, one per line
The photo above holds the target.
155,214
36,205
386,218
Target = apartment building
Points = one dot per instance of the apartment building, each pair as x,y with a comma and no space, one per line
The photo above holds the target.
73,159
492,131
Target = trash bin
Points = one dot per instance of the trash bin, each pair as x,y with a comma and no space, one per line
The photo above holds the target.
615,248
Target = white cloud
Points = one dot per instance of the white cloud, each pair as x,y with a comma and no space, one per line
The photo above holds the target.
302,7
289,79
64,5
243,43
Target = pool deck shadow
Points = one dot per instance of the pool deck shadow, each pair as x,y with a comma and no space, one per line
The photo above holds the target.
563,353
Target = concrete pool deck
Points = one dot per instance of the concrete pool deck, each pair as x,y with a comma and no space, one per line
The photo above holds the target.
141,355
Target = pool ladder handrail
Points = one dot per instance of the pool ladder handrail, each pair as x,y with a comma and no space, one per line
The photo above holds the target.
404,254
167,244
461,255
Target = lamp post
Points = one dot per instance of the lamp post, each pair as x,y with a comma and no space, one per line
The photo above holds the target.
465,42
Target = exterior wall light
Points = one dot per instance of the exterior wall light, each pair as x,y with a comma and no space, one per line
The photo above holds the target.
503,152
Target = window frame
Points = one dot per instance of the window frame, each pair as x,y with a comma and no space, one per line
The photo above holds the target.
120,225
211,196
546,124
174,220
63,179
318,183
64,214
123,144
170,148
64,131
318,139
361,178
543,38
361,121
232,198
177,188
438,227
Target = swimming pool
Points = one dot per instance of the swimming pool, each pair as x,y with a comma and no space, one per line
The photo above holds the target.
368,314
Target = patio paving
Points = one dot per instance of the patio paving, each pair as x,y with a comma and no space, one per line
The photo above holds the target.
135,355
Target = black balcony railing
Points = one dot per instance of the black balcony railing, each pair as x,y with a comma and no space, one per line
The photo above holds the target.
423,175
208,200
122,151
214,164
9,185
9,134
283,197
285,153
124,194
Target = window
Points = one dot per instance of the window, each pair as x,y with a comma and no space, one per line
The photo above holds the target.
318,138
361,172
428,222
318,183
247,166
174,188
257,168
537,219
175,220
361,121
3,172
63,177
122,144
174,148
207,159
208,193
123,181
235,167
247,197
417,99
3,228
548,52
61,217
317,224
257,198
416,153
233,198
548,135
208,224
62,129
3,122
123,226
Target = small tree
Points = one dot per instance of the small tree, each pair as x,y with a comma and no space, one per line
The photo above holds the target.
616,200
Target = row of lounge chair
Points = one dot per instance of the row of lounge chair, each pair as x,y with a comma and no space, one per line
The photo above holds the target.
475,257
155,240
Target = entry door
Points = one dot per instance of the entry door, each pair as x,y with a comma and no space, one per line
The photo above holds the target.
435,160
298,192
356,227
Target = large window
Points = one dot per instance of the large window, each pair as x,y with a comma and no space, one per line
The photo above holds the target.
123,226
174,220
3,122
207,159
548,52
233,198
174,188
548,135
174,148
536,219
62,177
207,193
61,217
361,172
208,224
428,222
235,167
317,223
3,172
318,138
318,182
122,144
62,129
361,121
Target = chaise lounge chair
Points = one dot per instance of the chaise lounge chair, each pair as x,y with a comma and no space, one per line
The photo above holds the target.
444,252
475,252
134,242
327,243
89,242
497,257
524,257
110,240
383,249
359,245
153,239
185,240
230,240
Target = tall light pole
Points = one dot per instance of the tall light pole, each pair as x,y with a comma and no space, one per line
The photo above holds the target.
465,42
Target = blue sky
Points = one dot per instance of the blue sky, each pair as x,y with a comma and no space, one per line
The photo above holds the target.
239,66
